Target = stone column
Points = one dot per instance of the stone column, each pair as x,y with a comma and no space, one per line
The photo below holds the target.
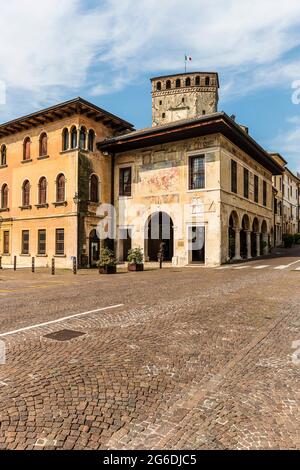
248,232
237,255
266,239
257,244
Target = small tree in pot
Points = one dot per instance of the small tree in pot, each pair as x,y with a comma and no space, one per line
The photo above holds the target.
135,260
107,263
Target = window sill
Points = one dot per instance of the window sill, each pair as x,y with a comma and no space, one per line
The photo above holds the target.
6,209
42,206
196,190
25,256
25,208
60,256
60,204
26,161
125,197
3,166
42,256
43,157
69,151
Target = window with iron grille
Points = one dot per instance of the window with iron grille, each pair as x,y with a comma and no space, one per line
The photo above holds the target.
60,241
197,172
42,242
6,243
255,188
25,242
246,183
264,193
233,176
125,181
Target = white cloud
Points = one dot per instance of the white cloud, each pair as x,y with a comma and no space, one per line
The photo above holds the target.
288,143
57,47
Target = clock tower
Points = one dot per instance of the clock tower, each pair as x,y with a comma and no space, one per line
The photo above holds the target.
184,96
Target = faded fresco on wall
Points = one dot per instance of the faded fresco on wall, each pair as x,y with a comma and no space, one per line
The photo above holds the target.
166,180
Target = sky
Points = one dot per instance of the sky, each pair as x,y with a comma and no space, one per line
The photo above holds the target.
106,51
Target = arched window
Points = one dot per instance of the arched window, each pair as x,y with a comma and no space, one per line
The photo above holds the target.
26,149
94,189
43,145
158,86
4,197
65,139
73,138
168,84
188,82
61,188
3,155
197,81
91,140
43,191
26,193
178,83
82,140
207,81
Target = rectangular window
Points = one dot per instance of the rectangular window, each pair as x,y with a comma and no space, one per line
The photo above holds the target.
264,193
42,242
125,182
275,206
246,183
197,172
6,243
25,242
256,188
233,176
60,241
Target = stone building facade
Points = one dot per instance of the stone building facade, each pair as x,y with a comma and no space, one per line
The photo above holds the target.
52,181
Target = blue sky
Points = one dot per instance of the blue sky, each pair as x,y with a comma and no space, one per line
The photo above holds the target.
107,50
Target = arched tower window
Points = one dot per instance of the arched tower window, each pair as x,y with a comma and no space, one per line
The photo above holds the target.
3,155
178,83
4,197
207,81
65,139
188,81
158,86
94,191
82,140
73,138
26,149
91,140
43,145
43,191
197,81
168,84
60,188
26,193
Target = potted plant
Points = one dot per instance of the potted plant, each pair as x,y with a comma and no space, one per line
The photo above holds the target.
107,263
288,240
135,260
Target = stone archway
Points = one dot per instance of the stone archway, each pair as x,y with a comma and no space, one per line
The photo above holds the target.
244,237
159,229
234,236
264,240
255,240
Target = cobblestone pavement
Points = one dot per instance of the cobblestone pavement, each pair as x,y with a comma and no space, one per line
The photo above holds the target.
194,358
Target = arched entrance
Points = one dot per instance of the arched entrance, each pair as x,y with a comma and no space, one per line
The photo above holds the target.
159,228
243,236
233,225
94,249
264,240
255,230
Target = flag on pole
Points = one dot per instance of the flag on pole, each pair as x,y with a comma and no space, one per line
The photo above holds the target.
188,58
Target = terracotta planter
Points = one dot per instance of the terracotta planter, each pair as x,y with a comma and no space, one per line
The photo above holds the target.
135,267
108,270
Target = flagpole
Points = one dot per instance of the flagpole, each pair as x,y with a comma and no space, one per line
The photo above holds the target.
185,57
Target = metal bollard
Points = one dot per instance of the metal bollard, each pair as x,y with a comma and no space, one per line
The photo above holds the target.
32,265
53,267
15,263
74,265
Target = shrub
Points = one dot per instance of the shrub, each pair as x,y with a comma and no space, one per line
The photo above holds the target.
135,256
288,240
297,238
107,258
